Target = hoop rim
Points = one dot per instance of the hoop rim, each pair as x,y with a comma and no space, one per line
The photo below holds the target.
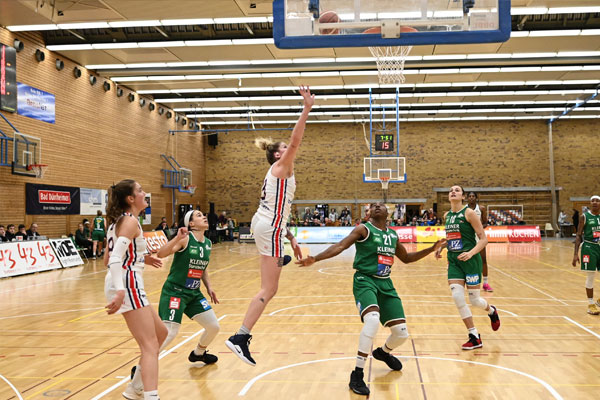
32,166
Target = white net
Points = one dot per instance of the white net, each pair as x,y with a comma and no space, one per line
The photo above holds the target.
192,189
38,169
390,63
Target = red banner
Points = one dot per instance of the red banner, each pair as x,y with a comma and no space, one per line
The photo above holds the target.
495,234
406,234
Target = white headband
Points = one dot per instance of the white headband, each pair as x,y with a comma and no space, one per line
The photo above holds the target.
595,197
186,219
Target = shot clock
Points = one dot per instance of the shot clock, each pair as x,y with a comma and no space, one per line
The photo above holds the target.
384,142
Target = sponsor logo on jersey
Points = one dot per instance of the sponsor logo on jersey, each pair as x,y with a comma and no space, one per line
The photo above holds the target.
174,303
586,259
205,304
377,239
193,250
472,279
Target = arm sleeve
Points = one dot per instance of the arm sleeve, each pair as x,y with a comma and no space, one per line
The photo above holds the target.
115,261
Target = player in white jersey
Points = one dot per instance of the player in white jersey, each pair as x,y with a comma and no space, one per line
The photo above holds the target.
269,225
473,202
124,286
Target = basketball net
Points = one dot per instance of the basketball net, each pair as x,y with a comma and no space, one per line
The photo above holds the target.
192,189
38,169
384,187
390,63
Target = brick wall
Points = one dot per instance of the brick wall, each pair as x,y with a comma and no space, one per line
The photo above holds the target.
98,139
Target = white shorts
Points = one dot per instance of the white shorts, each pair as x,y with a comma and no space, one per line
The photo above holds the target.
268,239
135,295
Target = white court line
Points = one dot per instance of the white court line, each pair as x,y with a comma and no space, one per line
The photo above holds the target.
550,389
528,285
306,305
51,282
161,355
506,311
51,312
12,387
581,326
409,295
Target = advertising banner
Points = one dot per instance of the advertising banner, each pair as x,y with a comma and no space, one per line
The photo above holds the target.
406,234
430,234
155,240
35,103
316,234
18,258
66,252
49,199
8,78
513,233
92,200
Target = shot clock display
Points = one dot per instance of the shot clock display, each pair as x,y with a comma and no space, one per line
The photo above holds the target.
384,142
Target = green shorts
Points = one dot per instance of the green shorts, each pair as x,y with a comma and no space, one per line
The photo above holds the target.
369,291
98,236
175,301
468,271
590,256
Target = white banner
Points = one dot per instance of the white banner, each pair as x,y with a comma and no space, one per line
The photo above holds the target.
18,258
92,200
66,252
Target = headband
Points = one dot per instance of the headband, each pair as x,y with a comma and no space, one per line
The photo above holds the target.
186,219
595,197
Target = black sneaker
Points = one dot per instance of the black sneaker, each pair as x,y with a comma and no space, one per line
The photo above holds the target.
357,385
205,358
387,358
239,345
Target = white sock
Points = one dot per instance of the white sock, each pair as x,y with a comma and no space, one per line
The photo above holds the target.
591,301
360,361
151,395
485,280
473,331
199,350
136,381
492,309
243,331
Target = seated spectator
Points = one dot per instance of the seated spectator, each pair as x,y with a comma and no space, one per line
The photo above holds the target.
509,220
230,228
84,241
333,215
3,234
562,217
160,224
22,233
346,217
329,222
175,225
163,226
32,232
316,218
10,232
86,228
222,220
414,221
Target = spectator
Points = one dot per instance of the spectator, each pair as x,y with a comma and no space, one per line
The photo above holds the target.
230,228
32,232
10,232
329,222
160,224
3,237
22,234
293,219
316,218
333,216
562,217
82,240
346,217
306,218
575,219
509,221
414,221
175,225
223,219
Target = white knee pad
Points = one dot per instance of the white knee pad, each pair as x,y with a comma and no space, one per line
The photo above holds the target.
368,332
476,300
589,282
172,329
398,336
458,295
209,322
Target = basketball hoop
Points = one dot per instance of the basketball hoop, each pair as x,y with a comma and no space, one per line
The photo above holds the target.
38,169
385,181
390,59
191,189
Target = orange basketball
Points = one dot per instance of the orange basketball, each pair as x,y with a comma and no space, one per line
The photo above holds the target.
377,29
326,18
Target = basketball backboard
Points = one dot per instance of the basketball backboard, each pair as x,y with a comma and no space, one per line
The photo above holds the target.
27,151
392,169
342,23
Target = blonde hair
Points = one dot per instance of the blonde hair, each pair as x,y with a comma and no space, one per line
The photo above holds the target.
269,147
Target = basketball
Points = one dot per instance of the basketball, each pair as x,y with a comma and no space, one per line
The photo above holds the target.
329,17
377,29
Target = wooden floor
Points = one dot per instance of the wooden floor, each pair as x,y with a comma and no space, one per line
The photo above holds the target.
57,342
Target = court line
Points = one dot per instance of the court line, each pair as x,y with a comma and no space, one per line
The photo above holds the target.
547,386
553,266
47,313
12,387
581,326
45,388
52,282
305,305
163,354
526,284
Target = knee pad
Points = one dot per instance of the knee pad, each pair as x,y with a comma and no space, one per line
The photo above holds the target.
368,332
398,336
589,282
172,329
458,295
209,322
476,300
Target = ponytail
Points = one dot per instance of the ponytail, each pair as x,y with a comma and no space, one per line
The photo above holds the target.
269,147
117,199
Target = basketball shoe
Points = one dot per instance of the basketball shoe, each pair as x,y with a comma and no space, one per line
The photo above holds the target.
357,384
593,309
387,358
487,287
473,343
494,319
205,358
240,346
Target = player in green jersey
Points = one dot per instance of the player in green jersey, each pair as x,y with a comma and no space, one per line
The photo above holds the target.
588,232
464,263
374,292
98,234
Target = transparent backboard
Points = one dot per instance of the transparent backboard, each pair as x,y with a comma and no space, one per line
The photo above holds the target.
391,168
27,151
363,23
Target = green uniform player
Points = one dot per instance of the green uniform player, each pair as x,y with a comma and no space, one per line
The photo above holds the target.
463,225
98,234
181,291
374,292
588,232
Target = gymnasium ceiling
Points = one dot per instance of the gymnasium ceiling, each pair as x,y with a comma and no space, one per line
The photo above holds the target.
551,62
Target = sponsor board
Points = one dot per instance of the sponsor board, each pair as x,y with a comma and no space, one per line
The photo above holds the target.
18,258
155,240
66,252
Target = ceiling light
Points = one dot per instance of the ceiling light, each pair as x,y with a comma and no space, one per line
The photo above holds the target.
131,24
93,80
39,55
18,45
76,73
40,27
131,97
84,25
106,86
59,64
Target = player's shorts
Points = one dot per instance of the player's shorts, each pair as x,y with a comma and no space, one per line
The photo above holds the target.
590,256
176,301
268,239
135,295
468,271
98,236
369,291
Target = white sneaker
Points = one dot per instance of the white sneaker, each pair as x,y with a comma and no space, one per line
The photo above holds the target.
132,394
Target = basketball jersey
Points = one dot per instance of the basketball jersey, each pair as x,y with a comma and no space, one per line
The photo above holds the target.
276,199
189,263
477,210
99,224
591,229
459,232
375,254
134,257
